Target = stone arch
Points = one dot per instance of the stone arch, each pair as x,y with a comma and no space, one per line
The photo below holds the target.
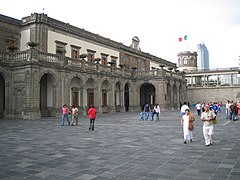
90,86
105,88
126,96
75,91
117,96
48,94
147,94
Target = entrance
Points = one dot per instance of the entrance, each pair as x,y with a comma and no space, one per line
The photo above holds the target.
46,95
147,94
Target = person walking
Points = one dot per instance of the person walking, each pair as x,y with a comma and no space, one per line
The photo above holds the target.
183,108
187,124
207,117
157,111
228,109
65,112
198,107
74,116
146,110
92,116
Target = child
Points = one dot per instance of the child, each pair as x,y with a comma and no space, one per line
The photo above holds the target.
141,116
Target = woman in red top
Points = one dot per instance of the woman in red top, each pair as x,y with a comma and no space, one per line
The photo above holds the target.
92,116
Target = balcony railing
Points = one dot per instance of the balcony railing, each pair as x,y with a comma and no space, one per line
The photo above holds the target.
33,55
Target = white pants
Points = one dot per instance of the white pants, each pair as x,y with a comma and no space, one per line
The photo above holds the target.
207,133
188,136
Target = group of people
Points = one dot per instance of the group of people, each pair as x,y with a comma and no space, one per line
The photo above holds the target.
232,110
152,111
207,117
66,112
215,107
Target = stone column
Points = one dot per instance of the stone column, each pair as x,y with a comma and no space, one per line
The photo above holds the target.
113,105
172,95
178,95
231,77
98,96
161,94
84,92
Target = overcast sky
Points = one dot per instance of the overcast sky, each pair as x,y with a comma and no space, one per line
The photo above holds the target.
157,23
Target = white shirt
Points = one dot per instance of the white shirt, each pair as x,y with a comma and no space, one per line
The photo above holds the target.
198,106
184,107
228,106
157,109
207,116
75,111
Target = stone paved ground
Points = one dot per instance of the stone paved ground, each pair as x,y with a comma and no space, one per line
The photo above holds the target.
121,147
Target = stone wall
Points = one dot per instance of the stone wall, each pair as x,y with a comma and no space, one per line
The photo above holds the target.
212,94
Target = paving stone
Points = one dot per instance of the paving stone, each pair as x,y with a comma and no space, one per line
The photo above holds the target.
121,147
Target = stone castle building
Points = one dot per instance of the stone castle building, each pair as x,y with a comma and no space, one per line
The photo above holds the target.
45,63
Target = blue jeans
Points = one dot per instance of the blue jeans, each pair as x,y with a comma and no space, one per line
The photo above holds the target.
146,115
65,116
157,116
91,126
152,116
227,114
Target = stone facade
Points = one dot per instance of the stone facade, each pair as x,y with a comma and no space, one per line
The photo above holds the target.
38,79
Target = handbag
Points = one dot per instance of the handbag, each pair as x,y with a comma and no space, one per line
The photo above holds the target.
215,120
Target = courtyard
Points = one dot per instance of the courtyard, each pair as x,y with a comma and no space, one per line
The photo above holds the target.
120,147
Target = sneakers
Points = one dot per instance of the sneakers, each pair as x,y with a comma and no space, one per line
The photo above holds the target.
185,142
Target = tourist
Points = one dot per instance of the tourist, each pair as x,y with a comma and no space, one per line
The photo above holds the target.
92,116
231,111
227,109
183,108
198,107
238,109
158,111
141,116
74,115
207,117
187,123
146,110
65,112
152,112
215,108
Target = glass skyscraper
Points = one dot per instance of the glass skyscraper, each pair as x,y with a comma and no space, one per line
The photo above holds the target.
203,57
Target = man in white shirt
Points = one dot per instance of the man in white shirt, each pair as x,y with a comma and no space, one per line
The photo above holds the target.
183,108
198,107
228,109
207,118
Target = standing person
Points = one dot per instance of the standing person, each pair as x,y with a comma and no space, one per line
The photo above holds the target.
152,112
183,108
198,107
219,107
141,114
187,123
238,110
65,112
231,111
146,110
92,116
74,115
228,109
207,117
158,111
215,108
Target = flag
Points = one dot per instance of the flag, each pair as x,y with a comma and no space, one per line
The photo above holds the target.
184,38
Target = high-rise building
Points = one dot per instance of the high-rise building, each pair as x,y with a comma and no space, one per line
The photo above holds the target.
203,57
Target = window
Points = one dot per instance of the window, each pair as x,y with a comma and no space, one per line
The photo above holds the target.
90,56
114,61
185,61
104,59
75,52
60,47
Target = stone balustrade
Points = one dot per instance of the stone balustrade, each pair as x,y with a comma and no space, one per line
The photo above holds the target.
33,55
